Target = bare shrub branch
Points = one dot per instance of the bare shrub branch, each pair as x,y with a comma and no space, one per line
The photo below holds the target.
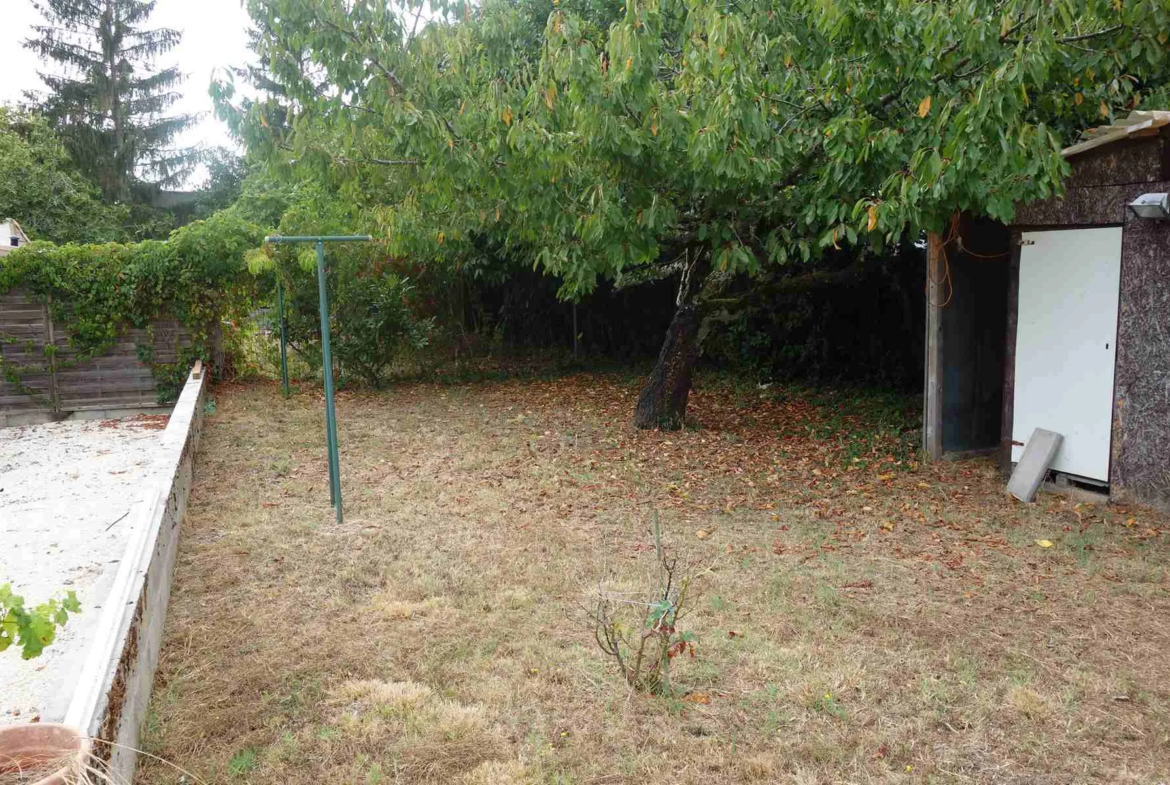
640,631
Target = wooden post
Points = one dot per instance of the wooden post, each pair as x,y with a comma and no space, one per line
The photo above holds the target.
1009,357
51,357
218,351
576,347
932,389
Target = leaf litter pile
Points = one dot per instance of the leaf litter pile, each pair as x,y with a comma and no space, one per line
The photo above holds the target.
864,618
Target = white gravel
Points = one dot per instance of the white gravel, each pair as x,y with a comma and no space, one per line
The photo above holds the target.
69,492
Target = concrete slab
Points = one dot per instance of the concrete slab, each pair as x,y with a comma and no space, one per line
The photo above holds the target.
68,496
1038,455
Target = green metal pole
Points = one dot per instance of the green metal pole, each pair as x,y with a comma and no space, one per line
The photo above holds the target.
283,340
327,359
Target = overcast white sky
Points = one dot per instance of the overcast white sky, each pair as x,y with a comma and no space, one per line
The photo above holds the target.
214,35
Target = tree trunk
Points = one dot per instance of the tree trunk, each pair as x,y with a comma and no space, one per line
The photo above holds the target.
663,402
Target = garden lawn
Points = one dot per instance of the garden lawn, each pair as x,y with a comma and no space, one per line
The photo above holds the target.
862,618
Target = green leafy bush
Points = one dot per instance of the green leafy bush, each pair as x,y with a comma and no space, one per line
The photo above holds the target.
376,316
32,629
42,188
373,321
375,324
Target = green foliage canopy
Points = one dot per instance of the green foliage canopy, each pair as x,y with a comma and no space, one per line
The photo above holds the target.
602,140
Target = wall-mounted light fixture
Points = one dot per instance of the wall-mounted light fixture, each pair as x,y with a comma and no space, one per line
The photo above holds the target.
1155,206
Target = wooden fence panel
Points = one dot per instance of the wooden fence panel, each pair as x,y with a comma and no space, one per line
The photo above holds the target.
115,379
111,380
24,330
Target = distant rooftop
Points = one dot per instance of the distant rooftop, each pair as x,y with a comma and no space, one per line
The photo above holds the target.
11,236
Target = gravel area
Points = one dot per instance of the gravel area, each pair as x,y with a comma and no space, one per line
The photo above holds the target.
69,492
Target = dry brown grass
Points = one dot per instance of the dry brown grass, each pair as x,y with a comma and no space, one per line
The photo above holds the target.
867,620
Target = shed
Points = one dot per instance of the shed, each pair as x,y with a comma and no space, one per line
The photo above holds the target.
1062,321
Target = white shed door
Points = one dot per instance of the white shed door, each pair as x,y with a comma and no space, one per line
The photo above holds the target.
1066,342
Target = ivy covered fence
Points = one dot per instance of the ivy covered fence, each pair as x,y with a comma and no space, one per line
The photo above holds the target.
113,325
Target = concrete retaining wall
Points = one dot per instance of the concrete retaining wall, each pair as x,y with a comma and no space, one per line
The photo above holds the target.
113,690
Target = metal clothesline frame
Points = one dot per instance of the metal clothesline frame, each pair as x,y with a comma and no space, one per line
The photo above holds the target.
327,357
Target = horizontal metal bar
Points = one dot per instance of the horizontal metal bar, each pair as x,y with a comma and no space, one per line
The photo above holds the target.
322,238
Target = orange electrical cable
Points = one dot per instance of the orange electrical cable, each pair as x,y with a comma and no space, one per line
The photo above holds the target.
946,276
969,252
956,237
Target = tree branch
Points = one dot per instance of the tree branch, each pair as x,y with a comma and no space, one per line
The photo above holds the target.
1072,39
890,97
414,27
352,36
344,161
341,159
855,274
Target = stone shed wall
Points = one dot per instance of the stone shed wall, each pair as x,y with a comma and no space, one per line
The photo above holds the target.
1103,182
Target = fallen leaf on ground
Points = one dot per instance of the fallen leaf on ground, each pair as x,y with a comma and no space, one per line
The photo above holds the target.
1044,543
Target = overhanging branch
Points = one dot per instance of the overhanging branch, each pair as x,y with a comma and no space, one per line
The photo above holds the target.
1072,39
892,96
855,274
352,36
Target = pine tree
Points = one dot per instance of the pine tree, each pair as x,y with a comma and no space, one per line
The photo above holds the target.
107,102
